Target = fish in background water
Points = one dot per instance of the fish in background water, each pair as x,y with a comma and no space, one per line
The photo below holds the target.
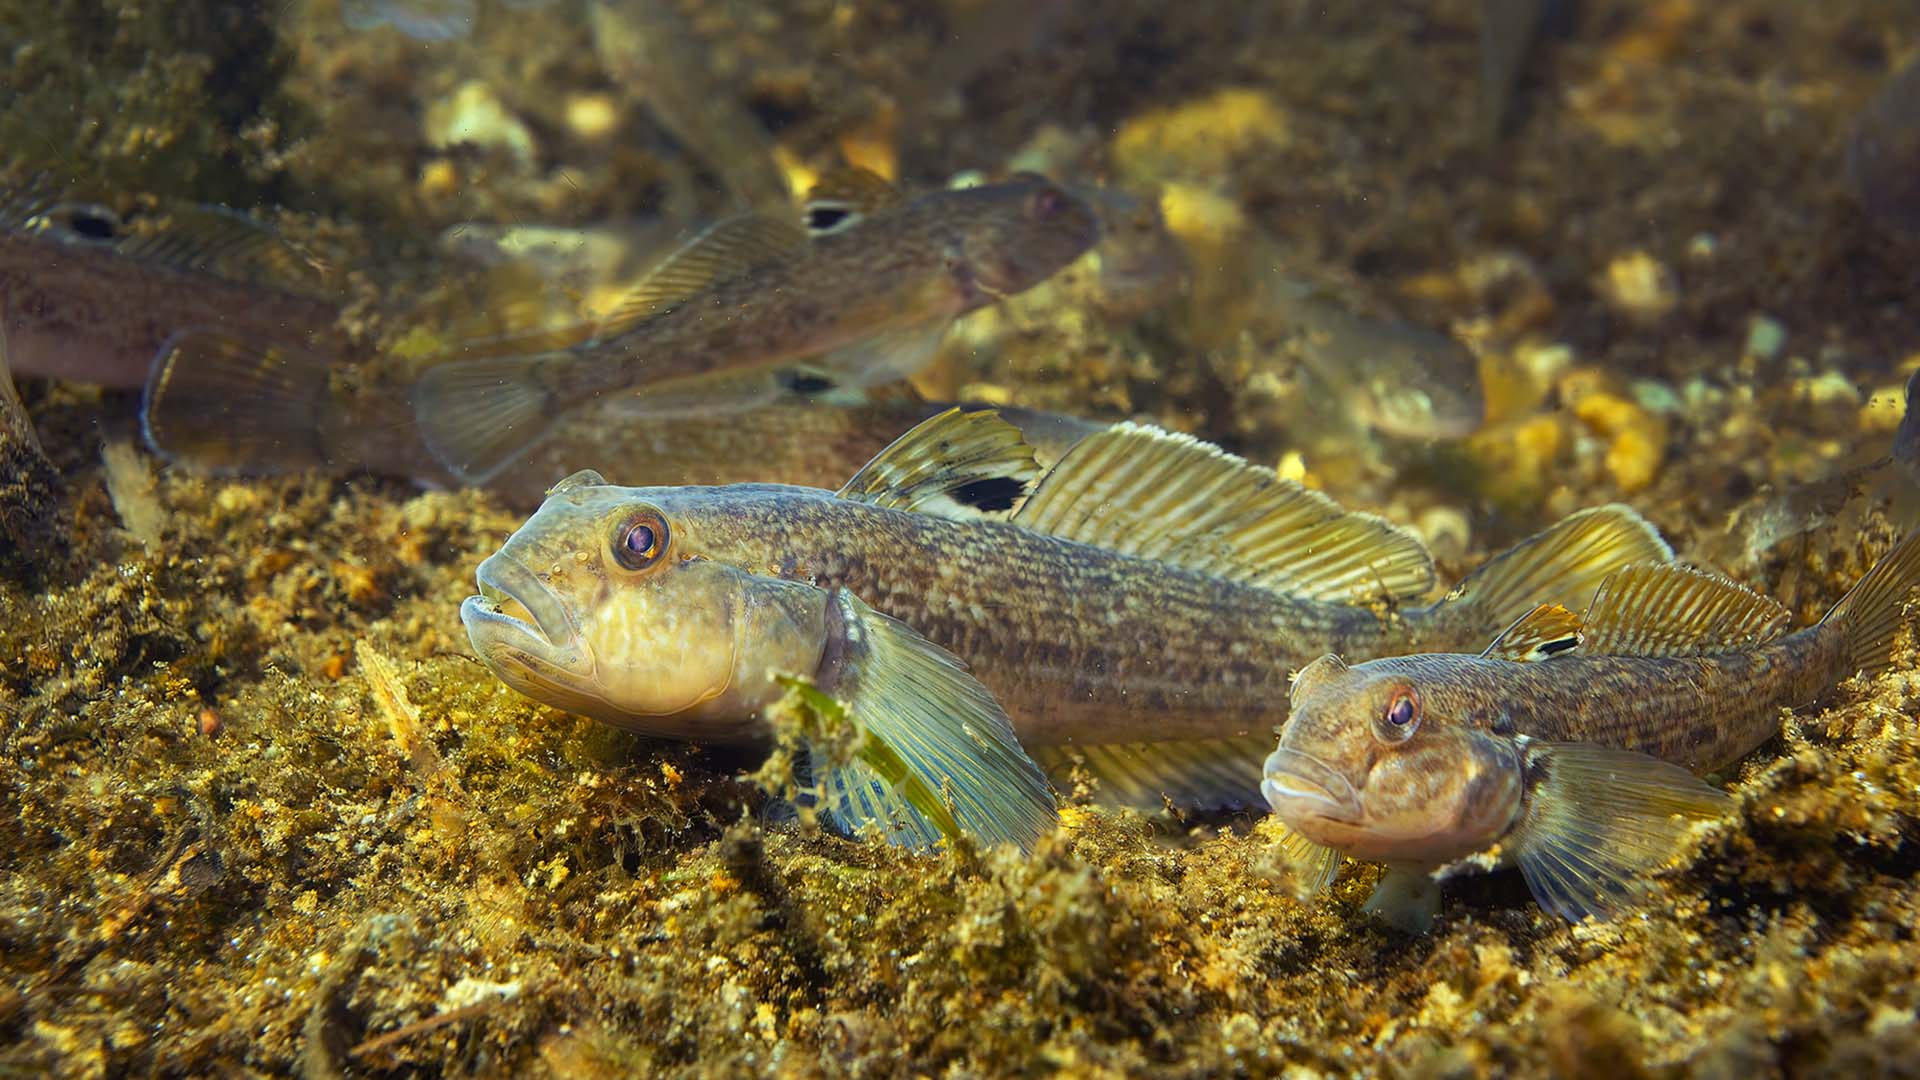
422,20
1570,746
1883,155
710,330
29,484
223,406
89,295
1135,610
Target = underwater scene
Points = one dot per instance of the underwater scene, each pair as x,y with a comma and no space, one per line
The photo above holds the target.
817,538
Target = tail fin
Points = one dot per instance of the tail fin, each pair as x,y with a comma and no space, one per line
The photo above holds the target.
477,416
1563,565
222,405
1874,609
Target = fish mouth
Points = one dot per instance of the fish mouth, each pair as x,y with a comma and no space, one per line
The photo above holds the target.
1297,784
518,621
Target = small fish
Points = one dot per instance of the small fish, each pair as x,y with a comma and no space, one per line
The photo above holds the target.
710,329
1391,376
224,406
1142,264
1134,610
88,295
1571,745
29,484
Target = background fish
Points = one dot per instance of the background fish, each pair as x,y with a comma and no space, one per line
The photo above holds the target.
1571,743
1133,609
710,328
29,484
89,295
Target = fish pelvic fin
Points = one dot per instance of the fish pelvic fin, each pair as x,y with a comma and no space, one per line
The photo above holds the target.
1670,610
222,405
1563,565
962,464
1406,898
936,753
477,416
1158,495
1599,820
1874,610
1191,774
1310,868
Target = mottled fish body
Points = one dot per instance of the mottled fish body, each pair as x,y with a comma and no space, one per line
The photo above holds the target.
712,328
1572,744
1135,610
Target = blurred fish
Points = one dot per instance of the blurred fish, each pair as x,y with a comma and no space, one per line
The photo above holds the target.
423,20
1142,264
1132,608
1571,743
224,406
88,295
1883,156
29,484
1906,438
1394,377
1509,31
648,48
713,328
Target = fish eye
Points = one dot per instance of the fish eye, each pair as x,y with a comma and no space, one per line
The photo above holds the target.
1401,716
1046,203
80,221
640,540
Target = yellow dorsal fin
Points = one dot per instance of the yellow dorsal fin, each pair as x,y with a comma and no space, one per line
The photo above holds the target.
1657,609
844,197
1154,494
221,241
1546,631
724,251
960,464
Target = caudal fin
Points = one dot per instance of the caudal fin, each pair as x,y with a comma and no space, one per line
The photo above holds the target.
1564,565
1875,608
219,404
477,416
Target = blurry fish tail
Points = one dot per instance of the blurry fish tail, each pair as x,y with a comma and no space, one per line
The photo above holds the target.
224,405
477,416
1873,610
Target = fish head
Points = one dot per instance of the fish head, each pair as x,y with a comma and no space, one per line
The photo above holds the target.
1424,385
604,604
1012,236
1379,760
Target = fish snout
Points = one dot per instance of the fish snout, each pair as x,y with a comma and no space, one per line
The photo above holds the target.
1298,784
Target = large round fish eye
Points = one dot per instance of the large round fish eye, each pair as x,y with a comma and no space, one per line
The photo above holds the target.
1046,203
640,540
1401,715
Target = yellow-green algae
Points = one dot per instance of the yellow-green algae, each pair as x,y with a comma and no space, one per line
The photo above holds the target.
227,863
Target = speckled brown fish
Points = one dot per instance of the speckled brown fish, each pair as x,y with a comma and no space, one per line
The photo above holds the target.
1570,746
89,295
709,330
1136,610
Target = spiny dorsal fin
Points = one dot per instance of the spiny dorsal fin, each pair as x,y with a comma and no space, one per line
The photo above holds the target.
1157,495
1192,774
1667,610
845,197
224,242
724,251
1546,631
961,464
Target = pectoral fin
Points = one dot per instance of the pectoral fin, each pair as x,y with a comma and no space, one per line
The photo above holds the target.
1598,821
935,755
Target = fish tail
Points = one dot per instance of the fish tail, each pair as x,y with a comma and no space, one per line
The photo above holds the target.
1873,610
478,415
1563,565
221,404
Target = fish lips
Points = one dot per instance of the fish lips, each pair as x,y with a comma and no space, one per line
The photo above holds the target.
519,626
1298,785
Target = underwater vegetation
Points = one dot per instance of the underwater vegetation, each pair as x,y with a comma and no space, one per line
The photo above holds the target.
904,464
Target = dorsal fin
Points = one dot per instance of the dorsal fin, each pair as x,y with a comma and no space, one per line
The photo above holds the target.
1544,632
961,464
1158,495
1660,609
224,242
724,251
845,197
